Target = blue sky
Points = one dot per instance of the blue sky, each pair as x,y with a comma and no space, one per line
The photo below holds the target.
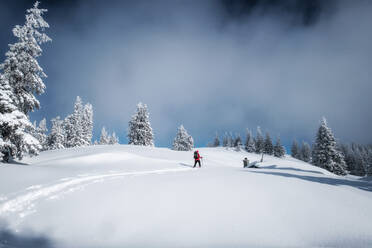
209,65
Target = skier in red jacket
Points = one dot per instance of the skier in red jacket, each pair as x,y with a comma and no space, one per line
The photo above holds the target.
197,158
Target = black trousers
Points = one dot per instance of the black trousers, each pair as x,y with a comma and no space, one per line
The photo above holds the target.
197,162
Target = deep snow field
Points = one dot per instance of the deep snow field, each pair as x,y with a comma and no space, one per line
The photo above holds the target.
130,196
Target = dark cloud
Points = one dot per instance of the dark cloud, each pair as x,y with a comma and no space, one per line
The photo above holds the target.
211,65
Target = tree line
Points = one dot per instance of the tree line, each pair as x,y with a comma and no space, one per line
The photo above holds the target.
259,144
336,157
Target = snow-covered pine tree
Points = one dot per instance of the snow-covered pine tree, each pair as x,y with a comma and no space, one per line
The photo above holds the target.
104,139
113,139
249,142
78,138
139,129
268,145
259,141
230,140
238,142
87,123
68,130
14,140
295,150
20,67
56,138
325,153
305,152
225,140
41,134
279,150
216,141
183,141
355,159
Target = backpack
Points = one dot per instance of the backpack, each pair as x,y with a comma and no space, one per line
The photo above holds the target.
195,155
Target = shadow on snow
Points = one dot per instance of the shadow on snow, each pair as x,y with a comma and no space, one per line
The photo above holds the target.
324,180
9,239
289,168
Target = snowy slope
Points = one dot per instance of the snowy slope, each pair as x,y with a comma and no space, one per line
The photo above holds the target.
127,196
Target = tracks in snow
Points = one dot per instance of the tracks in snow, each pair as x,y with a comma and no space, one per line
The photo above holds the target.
24,204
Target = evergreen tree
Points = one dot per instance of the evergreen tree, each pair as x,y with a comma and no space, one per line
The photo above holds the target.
230,140
279,150
140,131
14,140
69,131
259,141
225,141
295,150
78,126
238,142
87,124
356,158
21,69
268,145
183,141
325,153
216,141
113,140
78,138
104,139
41,134
249,142
56,139
305,152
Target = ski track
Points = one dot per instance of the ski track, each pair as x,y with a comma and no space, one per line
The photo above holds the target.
24,204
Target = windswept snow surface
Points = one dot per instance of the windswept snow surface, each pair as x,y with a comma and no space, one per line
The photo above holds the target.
130,196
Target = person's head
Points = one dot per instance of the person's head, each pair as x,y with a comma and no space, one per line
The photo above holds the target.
245,158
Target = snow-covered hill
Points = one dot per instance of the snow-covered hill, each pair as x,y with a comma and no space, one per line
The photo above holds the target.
127,196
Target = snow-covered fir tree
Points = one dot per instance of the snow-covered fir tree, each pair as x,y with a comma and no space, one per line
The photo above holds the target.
279,150
305,152
249,142
139,129
14,140
358,158
259,141
104,138
78,138
87,123
268,145
225,140
69,131
295,149
183,141
238,142
216,141
230,140
113,139
56,138
41,134
21,68
78,126
325,153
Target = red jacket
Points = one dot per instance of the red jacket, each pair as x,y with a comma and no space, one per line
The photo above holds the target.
199,157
